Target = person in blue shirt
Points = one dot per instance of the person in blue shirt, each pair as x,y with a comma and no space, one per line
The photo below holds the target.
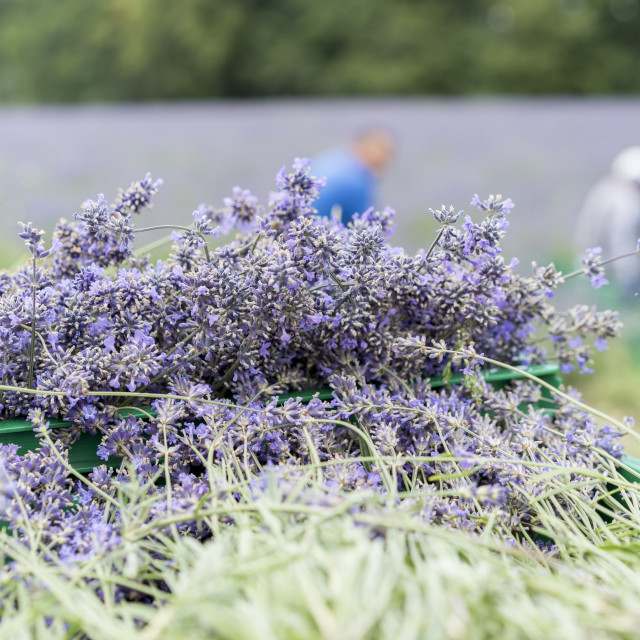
352,173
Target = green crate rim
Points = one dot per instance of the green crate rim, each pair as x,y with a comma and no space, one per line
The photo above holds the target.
15,425
548,371
324,393
87,459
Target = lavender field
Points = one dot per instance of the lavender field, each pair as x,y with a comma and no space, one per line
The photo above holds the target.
544,154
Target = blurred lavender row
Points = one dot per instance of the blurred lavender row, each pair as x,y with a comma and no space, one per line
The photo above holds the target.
543,153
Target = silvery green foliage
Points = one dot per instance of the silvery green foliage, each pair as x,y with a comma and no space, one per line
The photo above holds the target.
279,577
293,302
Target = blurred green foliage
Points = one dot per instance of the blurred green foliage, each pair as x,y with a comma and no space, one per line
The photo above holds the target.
119,50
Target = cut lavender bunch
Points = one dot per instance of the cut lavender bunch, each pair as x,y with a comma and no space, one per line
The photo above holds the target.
212,336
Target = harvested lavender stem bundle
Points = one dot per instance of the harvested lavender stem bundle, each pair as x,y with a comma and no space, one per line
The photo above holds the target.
294,301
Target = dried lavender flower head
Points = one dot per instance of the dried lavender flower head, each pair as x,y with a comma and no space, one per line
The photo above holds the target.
445,216
494,204
593,267
33,240
137,196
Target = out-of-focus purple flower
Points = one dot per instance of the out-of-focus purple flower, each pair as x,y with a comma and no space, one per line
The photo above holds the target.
95,216
137,196
445,216
243,208
593,267
493,204
33,240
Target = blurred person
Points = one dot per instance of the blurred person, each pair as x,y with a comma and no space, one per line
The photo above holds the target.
610,219
353,173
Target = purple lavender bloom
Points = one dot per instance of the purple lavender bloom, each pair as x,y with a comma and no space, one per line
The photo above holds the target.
600,344
7,485
195,237
244,208
593,267
136,362
493,204
95,216
297,190
86,277
33,240
137,196
445,216
372,218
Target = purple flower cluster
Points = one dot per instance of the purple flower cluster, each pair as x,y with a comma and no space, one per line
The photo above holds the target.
295,301
593,267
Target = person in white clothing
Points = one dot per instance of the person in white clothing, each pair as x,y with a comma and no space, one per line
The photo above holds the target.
610,218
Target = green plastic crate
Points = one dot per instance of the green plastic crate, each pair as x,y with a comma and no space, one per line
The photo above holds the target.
82,454
83,457
498,378
632,463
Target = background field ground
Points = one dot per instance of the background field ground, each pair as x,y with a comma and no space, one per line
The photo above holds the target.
543,153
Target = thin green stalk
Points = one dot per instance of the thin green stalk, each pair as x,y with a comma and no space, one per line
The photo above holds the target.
367,439
542,383
44,344
399,380
171,351
4,374
74,473
313,453
222,431
205,246
228,373
32,345
249,246
127,394
329,284
167,478
147,248
434,244
578,272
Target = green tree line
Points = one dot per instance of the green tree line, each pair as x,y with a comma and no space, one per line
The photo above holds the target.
120,50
